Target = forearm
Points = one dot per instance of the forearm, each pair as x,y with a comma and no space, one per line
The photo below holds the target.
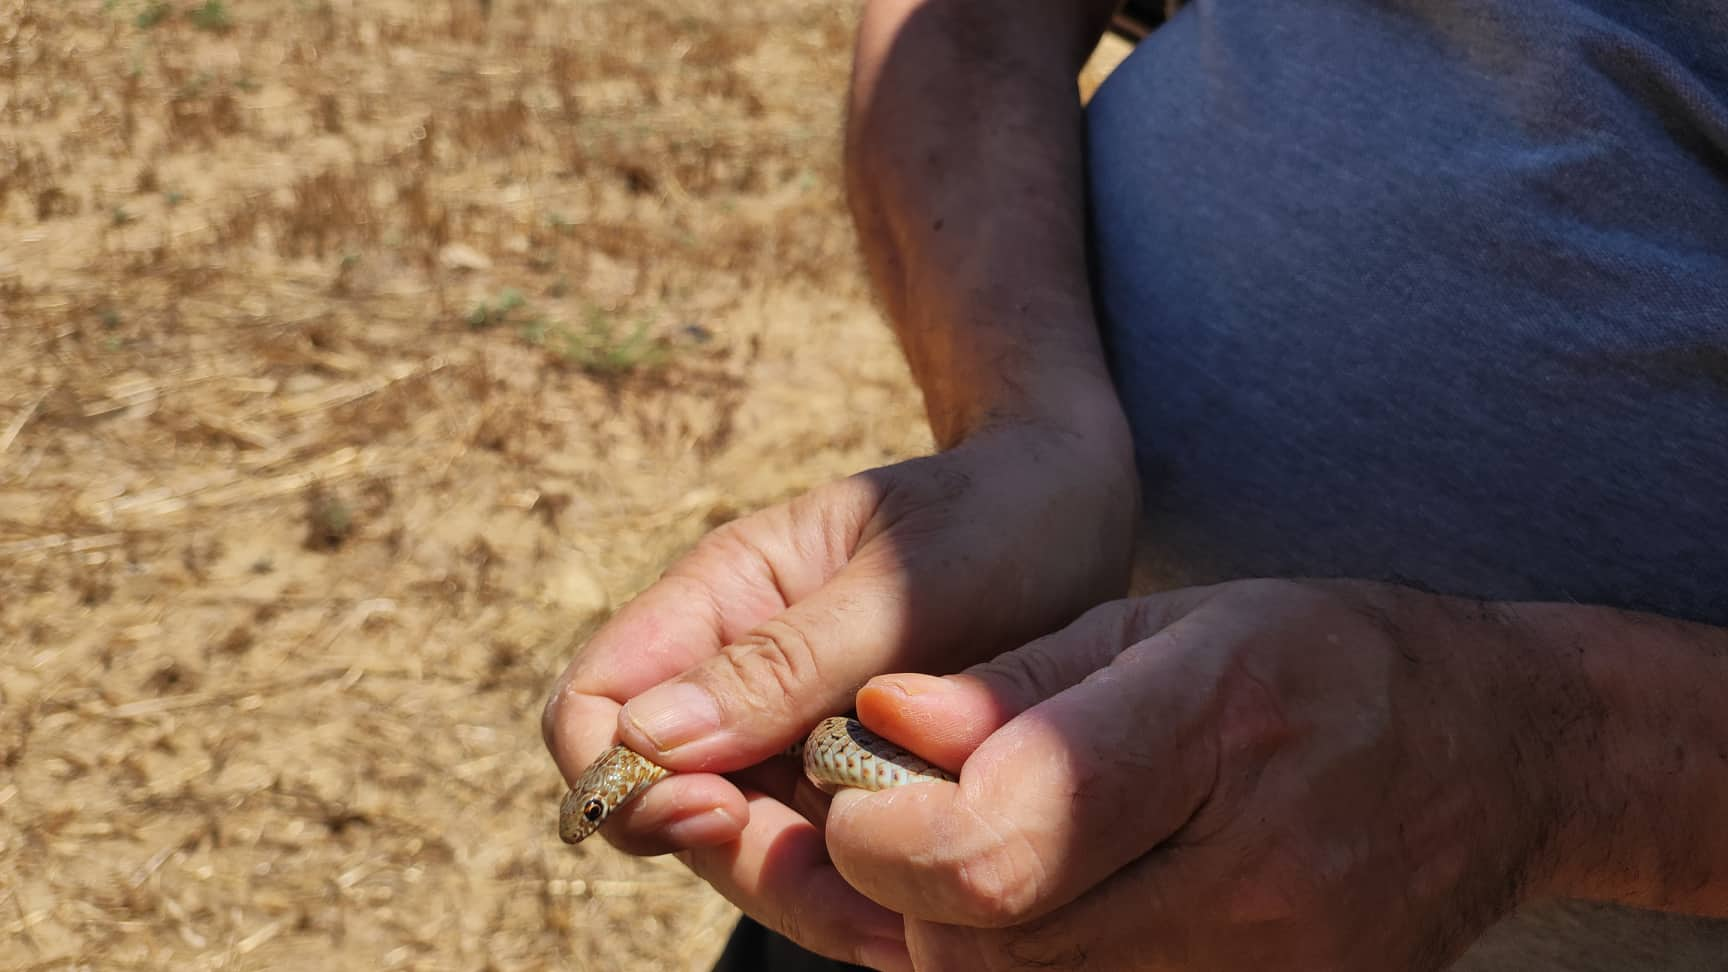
964,170
1644,813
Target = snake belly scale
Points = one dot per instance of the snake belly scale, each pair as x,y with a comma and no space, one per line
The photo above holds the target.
839,753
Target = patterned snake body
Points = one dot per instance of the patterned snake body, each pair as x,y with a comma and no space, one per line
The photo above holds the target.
838,753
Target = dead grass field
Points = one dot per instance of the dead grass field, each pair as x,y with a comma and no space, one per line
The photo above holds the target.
358,359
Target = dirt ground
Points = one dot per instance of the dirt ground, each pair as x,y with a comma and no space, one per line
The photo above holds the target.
358,359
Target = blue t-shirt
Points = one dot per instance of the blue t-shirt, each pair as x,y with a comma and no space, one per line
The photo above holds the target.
1432,291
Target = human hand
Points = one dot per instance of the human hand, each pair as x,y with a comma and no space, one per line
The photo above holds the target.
773,621
1261,774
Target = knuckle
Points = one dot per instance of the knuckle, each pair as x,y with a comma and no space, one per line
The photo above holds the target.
1278,590
1019,675
1107,614
990,901
1273,586
773,668
803,921
791,924
1253,717
1052,663
747,544
810,920
955,947
723,546
1127,623
998,884
833,518
1042,944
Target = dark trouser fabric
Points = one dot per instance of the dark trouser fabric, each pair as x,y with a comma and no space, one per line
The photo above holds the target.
753,948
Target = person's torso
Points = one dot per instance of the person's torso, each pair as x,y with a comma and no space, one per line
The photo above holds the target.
1433,292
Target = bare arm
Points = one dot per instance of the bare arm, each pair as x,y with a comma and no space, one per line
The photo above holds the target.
1647,749
1321,775
965,174
964,150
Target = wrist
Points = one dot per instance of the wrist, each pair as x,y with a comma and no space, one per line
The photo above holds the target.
1638,731
1076,407
1060,384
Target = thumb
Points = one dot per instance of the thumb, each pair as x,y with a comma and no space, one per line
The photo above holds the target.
920,582
758,693
1064,792
945,719
879,592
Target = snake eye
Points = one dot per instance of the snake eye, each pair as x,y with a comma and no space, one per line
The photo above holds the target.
593,810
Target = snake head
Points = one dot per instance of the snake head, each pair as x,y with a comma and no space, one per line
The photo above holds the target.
616,778
580,816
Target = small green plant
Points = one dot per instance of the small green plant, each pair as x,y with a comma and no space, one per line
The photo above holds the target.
213,17
489,312
536,331
173,197
606,345
153,13
329,521
121,217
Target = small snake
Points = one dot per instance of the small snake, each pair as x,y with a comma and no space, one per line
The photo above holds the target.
838,753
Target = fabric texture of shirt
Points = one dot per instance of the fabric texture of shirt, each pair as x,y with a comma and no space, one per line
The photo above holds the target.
1434,292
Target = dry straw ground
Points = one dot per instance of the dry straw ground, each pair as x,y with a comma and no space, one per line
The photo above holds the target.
358,358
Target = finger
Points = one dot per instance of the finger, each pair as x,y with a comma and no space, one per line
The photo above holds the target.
1181,908
704,810
722,589
738,577
678,813
1121,924
1061,796
888,608
687,810
729,584
945,719
763,691
778,872
674,624
907,598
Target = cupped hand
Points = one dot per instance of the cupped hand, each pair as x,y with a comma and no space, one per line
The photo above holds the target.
776,619
1263,774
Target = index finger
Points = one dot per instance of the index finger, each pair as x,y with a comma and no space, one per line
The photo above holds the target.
734,580
726,586
670,626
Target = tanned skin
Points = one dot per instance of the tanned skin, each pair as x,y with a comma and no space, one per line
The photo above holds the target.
1338,775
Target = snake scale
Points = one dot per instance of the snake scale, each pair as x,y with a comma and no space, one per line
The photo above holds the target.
838,753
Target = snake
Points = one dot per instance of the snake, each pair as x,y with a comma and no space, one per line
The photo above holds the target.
838,754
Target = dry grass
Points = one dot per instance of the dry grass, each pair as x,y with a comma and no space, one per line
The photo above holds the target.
293,539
